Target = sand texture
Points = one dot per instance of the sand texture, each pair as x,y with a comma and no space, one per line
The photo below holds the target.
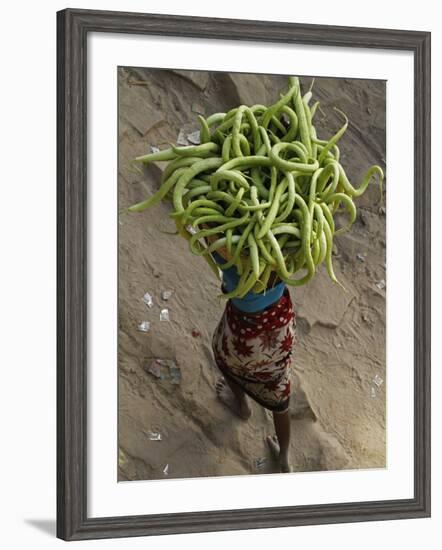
337,409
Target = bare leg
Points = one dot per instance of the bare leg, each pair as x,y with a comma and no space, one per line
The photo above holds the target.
233,397
280,444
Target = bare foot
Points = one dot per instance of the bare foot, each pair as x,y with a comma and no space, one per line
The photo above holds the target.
283,460
225,395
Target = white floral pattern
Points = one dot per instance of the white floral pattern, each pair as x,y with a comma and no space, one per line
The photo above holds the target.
255,351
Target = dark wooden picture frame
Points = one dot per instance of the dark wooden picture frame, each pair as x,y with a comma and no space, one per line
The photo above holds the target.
73,27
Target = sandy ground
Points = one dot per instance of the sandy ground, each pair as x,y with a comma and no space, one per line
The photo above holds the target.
337,409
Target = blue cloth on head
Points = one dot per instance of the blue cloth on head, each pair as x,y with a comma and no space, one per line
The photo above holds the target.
252,301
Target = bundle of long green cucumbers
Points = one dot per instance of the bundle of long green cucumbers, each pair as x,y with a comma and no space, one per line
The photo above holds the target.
263,188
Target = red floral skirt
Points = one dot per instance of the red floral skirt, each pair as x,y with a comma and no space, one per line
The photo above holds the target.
255,351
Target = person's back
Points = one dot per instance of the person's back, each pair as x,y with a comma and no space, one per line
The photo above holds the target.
253,301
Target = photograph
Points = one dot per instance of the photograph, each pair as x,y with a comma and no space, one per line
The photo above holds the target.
251,274
228,244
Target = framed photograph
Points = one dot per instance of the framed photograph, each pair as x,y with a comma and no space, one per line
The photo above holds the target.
243,274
